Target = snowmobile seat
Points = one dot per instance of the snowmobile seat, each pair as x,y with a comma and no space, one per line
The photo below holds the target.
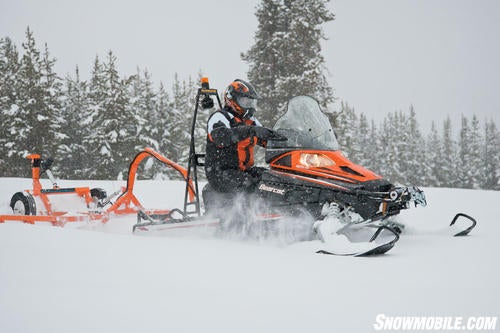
214,200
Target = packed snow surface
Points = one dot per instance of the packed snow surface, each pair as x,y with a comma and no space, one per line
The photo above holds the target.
102,278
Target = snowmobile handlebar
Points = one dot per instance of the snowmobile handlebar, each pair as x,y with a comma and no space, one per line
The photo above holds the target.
267,134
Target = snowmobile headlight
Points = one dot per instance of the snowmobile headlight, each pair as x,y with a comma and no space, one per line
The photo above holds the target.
315,160
394,195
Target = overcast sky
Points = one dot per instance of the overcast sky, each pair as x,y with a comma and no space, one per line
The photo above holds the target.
442,56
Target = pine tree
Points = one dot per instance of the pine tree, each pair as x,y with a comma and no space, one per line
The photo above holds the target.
75,128
413,152
149,119
143,106
433,159
32,123
364,141
347,132
372,151
388,156
476,163
286,59
52,94
118,124
9,67
94,138
465,177
491,157
113,135
180,120
449,157
164,111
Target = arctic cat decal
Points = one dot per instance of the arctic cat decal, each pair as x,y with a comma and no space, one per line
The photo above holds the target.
264,187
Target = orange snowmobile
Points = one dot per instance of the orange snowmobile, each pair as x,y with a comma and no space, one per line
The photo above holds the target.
310,191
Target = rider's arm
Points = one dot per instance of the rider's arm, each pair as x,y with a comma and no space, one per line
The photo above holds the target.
222,134
261,142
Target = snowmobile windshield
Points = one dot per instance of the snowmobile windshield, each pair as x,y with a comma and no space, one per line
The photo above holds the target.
306,126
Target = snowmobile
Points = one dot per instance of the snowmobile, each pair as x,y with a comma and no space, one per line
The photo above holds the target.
310,191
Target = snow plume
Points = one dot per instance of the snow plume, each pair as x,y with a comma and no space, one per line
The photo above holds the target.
249,218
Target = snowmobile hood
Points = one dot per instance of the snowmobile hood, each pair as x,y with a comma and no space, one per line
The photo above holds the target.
311,147
325,164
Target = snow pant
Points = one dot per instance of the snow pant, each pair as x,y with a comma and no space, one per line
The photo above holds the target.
235,180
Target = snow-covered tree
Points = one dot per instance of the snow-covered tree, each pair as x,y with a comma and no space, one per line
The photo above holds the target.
470,154
164,108
32,123
449,157
113,138
149,117
476,153
9,67
143,106
179,122
401,149
364,155
52,95
286,59
491,157
76,127
371,150
413,151
388,153
94,139
164,111
347,131
433,158
464,173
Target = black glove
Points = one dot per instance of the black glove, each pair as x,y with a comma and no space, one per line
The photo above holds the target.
266,134
241,132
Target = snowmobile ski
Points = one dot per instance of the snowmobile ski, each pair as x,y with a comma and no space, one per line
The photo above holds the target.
343,244
466,231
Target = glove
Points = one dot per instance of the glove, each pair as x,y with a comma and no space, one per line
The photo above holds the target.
239,133
266,134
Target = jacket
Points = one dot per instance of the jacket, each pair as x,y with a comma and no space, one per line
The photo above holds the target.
230,142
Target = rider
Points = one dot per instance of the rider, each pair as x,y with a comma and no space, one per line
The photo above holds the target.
233,133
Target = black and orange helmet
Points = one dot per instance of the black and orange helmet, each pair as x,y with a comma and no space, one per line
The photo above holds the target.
241,97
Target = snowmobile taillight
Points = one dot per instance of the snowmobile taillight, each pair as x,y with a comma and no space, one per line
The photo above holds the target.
308,160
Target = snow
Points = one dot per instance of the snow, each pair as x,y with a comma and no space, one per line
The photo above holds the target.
101,278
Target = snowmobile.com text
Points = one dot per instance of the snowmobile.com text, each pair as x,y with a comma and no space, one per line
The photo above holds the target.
413,323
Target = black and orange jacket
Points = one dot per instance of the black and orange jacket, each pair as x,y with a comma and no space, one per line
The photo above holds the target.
230,142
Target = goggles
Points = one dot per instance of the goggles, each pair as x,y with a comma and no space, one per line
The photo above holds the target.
247,102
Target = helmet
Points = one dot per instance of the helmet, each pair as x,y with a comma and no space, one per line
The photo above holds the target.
241,97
